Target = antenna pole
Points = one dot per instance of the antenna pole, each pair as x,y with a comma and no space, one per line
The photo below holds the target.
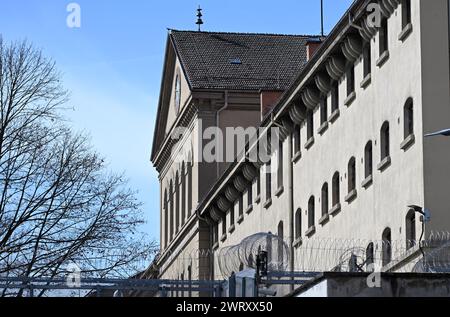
199,18
321,17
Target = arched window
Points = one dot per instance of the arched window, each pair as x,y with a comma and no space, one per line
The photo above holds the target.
251,261
385,141
370,258
171,209
351,175
268,180
325,205
311,213
166,219
280,248
177,202
336,189
280,165
410,229
177,93
183,194
182,284
189,189
387,246
408,116
406,13
190,280
368,160
298,224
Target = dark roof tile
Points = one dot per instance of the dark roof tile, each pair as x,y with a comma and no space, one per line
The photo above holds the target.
267,61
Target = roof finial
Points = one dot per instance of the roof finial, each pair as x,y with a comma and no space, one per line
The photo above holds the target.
199,20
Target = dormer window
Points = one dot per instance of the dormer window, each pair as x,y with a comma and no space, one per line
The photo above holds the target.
177,93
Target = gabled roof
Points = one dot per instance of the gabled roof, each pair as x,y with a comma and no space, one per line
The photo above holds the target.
234,61
244,61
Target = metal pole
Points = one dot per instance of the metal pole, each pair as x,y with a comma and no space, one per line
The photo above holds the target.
321,17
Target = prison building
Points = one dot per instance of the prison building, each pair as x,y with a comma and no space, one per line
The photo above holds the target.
352,109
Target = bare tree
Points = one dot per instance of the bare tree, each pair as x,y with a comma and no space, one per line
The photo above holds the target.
58,202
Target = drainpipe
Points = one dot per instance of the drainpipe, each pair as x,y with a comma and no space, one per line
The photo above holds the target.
211,239
291,206
217,124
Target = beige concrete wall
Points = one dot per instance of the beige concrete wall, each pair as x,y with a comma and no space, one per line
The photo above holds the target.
185,95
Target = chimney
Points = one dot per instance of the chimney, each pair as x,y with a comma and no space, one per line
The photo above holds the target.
311,47
268,100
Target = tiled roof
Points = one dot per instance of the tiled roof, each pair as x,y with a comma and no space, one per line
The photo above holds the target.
240,60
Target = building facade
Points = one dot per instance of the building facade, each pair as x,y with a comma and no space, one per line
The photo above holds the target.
352,111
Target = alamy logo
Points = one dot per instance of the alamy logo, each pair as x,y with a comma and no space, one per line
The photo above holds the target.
374,15
74,18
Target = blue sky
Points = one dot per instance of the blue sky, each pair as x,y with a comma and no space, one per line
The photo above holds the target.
112,65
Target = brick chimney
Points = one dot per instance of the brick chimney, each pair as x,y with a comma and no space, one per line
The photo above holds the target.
268,100
311,47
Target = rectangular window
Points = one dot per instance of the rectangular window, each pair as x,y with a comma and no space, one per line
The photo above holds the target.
232,220
323,110
241,206
310,125
258,184
268,181
296,140
335,97
367,60
250,195
406,13
224,226
384,36
350,79
368,160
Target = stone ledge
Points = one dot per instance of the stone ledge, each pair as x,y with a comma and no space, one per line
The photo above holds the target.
383,59
324,219
268,203
311,231
336,209
404,34
384,164
350,99
336,113
351,196
310,143
323,128
367,182
279,191
408,142
366,81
